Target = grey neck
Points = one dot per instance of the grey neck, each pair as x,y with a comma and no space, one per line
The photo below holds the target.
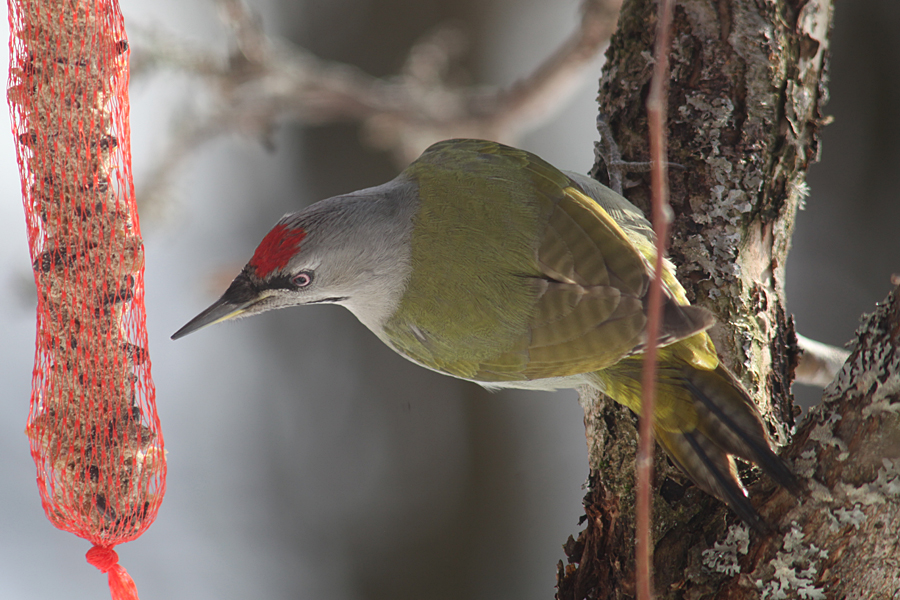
381,220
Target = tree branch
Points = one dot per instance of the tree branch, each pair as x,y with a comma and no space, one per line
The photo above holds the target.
841,540
266,81
747,84
819,363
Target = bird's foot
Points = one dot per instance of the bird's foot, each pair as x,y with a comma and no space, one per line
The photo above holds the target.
616,168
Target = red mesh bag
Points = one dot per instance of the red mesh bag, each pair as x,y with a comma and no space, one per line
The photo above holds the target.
94,431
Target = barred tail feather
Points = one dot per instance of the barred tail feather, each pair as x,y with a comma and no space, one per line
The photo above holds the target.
727,415
712,470
728,423
704,418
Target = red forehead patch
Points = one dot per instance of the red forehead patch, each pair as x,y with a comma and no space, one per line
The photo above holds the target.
276,249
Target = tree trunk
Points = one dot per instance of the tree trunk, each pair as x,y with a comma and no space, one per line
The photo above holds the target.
745,96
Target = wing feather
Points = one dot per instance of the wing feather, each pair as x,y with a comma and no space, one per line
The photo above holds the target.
587,281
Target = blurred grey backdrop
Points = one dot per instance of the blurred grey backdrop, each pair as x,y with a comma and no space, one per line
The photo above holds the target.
306,460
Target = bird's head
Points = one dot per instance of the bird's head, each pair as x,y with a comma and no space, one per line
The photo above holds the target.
351,250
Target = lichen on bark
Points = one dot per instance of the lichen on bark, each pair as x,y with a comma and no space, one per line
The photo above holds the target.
745,98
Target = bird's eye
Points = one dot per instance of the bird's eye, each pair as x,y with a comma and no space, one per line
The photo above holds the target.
302,279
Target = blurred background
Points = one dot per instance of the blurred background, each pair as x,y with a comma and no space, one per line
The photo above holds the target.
306,460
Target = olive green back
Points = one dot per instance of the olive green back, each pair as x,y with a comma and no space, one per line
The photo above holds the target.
516,273
473,287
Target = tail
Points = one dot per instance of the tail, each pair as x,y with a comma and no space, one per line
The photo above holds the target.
728,424
705,418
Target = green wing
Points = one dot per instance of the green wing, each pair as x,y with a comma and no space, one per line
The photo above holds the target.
590,314
555,285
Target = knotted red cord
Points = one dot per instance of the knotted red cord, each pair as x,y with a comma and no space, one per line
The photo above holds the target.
121,586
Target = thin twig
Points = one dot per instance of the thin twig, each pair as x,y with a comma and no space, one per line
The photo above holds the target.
656,111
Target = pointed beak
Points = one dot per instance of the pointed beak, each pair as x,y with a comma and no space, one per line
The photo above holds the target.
221,310
240,297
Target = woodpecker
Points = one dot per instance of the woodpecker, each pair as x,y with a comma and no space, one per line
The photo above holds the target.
486,263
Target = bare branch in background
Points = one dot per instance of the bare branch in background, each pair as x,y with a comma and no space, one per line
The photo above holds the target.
819,363
267,80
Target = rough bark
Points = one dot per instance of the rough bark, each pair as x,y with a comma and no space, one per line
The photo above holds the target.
745,97
838,541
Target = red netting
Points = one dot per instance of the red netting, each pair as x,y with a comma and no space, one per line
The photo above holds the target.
94,431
